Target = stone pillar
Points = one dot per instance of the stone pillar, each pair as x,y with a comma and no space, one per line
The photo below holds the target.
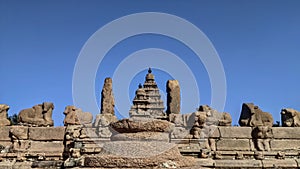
173,97
107,98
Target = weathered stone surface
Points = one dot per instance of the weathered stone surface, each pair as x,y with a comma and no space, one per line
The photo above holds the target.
233,144
224,164
173,97
88,133
253,116
273,163
19,132
3,115
75,116
73,131
180,133
44,147
47,164
286,132
46,133
136,154
4,133
38,115
133,125
141,136
261,136
103,120
21,145
182,120
23,165
280,145
290,117
104,132
235,132
107,98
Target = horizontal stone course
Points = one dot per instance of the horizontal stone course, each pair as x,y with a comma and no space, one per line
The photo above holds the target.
275,163
46,133
285,144
235,132
286,132
233,144
237,164
44,147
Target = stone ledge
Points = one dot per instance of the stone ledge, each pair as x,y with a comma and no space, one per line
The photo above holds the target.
235,132
286,144
273,163
233,144
232,164
286,132
47,133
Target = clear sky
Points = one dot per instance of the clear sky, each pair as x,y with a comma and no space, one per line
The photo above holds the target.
257,43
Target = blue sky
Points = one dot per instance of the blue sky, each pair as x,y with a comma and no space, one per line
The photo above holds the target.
257,42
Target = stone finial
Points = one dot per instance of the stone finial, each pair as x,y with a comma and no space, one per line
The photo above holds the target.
3,115
253,116
290,118
107,98
38,115
173,97
75,116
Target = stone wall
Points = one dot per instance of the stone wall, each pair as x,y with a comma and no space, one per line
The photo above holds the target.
226,147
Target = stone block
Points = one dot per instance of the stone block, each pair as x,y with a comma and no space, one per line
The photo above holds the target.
4,133
88,133
43,147
23,165
46,133
274,163
6,165
279,145
21,145
286,132
233,144
237,164
141,136
235,132
180,133
19,132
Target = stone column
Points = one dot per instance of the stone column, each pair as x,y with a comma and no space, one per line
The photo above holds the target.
107,98
173,97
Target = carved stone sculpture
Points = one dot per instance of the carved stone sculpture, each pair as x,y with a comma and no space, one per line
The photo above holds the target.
3,115
253,116
75,116
261,136
107,98
38,115
173,97
290,118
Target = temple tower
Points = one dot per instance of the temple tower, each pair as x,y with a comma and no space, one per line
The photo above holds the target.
147,101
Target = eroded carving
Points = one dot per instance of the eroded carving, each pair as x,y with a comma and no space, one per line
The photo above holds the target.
290,118
75,116
38,115
253,116
3,115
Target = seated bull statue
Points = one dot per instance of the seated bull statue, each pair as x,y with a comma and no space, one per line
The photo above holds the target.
253,116
75,116
290,118
38,115
3,115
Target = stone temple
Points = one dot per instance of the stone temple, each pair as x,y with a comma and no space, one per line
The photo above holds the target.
147,101
150,138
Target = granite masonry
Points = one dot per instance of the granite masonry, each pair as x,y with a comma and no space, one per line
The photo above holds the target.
151,137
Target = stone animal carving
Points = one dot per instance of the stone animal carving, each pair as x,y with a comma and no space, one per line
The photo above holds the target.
75,116
38,115
3,115
225,119
253,116
290,118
